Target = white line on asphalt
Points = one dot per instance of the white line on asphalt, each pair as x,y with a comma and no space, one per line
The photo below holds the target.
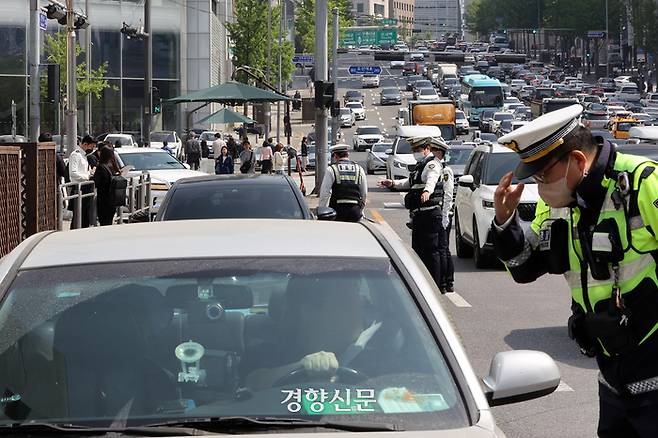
457,299
563,387
393,205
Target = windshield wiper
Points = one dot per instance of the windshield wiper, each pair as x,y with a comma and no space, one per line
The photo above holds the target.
49,429
227,424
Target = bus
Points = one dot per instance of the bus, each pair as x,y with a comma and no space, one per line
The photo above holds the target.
480,92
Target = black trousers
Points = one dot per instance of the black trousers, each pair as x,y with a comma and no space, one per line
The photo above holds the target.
194,160
105,214
348,212
447,269
86,212
426,233
629,417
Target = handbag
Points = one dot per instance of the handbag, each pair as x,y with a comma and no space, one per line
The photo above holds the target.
246,166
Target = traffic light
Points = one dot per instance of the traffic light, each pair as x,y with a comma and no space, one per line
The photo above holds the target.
335,108
324,94
157,100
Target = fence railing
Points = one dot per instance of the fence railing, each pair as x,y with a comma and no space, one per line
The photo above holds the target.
139,198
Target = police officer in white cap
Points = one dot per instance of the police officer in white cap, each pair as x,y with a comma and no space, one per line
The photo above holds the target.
597,224
344,187
429,201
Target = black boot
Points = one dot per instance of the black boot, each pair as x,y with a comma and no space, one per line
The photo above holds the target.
450,288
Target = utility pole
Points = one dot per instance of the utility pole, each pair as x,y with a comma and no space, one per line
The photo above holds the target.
148,75
607,43
71,92
88,70
35,85
334,77
320,79
267,107
279,87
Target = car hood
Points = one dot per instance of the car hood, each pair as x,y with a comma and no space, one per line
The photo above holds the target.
357,110
172,175
370,136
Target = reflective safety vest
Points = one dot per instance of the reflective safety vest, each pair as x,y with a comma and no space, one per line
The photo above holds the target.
635,272
417,186
347,178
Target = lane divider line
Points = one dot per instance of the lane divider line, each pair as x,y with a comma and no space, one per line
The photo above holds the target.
457,299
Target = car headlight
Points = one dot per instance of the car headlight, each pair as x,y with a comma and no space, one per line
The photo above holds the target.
487,204
399,165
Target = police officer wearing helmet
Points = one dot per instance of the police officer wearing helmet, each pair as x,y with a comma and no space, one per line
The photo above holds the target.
596,224
429,201
344,187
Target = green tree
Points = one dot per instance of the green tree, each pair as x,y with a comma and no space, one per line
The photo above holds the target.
55,49
305,21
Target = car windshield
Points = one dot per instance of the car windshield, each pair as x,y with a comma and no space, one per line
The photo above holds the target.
504,116
173,339
458,157
460,115
506,125
354,105
150,160
500,164
390,92
368,131
403,146
423,84
625,126
227,200
381,147
487,96
159,137
427,92
124,141
345,111
450,81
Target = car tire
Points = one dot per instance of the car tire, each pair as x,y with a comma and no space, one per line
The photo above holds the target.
464,250
480,258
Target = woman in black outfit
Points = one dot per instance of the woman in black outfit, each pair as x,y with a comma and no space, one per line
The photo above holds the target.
102,179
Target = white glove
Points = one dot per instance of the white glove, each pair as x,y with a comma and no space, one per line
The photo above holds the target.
321,362
445,222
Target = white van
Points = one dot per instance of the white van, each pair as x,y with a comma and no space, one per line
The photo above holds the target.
643,134
400,159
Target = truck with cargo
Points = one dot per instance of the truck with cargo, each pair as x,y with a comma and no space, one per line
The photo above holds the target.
439,113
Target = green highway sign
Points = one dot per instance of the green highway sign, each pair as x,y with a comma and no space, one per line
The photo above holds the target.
363,37
389,21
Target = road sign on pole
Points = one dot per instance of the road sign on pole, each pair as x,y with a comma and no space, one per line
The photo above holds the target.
364,69
43,21
367,37
596,34
308,59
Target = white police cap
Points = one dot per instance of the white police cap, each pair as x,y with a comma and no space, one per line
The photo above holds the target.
337,148
430,142
538,142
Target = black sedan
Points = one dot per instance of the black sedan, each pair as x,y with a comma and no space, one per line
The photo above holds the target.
234,196
390,96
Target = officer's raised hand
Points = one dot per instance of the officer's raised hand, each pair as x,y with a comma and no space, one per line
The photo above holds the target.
385,183
506,198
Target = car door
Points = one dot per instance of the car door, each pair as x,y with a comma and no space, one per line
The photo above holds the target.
465,196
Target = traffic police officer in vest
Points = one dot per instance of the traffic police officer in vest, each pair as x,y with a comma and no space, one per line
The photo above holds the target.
596,223
344,187
429,201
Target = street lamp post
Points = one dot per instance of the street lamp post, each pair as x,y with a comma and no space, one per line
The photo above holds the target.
71,92
607,42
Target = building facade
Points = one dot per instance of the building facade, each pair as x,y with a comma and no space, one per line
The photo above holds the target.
370,8
435,18
190,52
403,11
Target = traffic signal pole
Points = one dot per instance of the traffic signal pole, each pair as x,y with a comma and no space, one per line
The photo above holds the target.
320,79
35,84
334,78
148,75
71,91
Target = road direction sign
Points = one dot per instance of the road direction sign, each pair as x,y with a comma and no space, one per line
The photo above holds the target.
308,59
43,21
596,34
367,37
365,70
389,21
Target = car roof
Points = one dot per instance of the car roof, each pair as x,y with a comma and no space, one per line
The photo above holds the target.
494,148
139,150
238,178
179,240
416,130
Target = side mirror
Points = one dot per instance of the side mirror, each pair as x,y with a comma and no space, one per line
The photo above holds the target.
520,375
466,181
388,151
325,213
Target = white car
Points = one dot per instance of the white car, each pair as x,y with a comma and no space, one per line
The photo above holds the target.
497,118
474,208
401,47
370,81
510,101
358,110
377,155
619,80
125,140
171,137
417,57
427,94
163,168
628,92
516,85
461,122
650,99
364,49
366,136
401,160
396,64
347,119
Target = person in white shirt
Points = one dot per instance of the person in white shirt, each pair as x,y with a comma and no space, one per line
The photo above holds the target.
217,145
79,172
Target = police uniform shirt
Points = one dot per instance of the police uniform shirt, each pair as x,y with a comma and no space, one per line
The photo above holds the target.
448,180
330,178
432,174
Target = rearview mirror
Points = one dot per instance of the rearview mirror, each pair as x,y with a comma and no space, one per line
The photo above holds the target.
388,151
325,213
520,375
466,181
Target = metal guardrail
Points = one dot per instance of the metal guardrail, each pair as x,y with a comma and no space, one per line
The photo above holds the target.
138,193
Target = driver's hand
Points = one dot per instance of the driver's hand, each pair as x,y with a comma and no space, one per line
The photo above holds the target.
321,362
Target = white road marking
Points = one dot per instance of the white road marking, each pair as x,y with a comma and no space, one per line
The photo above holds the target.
457,299
563,387
393,205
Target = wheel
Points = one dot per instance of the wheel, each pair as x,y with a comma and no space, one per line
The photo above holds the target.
482,260
464,250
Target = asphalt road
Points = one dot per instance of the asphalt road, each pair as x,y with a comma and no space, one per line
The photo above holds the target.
489,310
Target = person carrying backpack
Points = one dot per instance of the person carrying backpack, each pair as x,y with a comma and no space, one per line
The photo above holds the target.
193,152
110,187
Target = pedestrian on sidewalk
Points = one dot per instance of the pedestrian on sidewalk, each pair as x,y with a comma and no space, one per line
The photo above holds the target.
224,162
278,159
232,147
287,128
217,145
80,172
205,150
105,170
304,149
247,158
193,152
266,156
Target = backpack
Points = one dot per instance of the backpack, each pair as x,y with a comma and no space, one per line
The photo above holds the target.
118,188
195,148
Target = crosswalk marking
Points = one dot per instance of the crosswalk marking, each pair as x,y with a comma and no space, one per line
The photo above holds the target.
457,299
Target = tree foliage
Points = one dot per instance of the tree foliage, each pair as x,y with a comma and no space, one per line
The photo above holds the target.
305,21
55,48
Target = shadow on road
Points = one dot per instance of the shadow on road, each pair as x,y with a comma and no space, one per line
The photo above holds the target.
554,341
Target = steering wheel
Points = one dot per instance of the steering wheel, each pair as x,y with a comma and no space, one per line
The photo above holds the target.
342,375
